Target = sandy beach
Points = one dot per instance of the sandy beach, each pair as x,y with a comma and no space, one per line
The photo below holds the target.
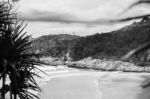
96,85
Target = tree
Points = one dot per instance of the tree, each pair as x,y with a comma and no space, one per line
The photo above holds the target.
145,47
17,61
144,18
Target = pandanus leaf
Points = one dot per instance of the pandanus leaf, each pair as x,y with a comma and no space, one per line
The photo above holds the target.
5,89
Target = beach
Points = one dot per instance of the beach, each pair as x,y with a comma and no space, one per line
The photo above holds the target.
89,84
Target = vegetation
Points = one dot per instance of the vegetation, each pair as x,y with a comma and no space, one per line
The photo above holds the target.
114,44
111,45
52,45
17,62
145,47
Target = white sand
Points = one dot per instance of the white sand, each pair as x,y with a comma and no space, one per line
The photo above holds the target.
96,85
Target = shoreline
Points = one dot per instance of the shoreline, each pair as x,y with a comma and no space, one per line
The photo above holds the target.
61,85
97,64
61,82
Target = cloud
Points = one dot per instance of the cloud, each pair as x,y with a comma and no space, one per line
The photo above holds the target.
49,16
72,11
67,18
83,17
37,29
90,17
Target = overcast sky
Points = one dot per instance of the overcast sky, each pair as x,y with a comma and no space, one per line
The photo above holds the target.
83,17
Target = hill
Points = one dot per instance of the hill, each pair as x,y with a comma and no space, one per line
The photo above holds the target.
112,45
52,45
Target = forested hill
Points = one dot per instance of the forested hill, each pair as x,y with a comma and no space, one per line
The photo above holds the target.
112,44
52,45
104,45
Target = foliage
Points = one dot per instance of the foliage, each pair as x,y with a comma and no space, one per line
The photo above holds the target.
52,45
113,44
105,45
146,46
17,62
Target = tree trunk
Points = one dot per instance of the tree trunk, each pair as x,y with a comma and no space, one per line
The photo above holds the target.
3,84
10,91
15,96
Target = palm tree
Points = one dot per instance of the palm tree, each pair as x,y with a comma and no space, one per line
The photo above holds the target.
17,61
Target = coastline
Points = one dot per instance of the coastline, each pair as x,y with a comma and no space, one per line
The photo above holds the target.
96,85
69,82
97,64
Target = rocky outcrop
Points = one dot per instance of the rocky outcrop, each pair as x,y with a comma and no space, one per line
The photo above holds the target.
107,65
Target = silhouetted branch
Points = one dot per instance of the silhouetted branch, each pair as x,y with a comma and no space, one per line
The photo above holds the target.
136,51
136,4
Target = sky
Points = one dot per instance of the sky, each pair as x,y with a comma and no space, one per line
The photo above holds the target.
81,17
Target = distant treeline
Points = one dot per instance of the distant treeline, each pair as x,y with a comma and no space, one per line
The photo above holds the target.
113,44
105,45
52,45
